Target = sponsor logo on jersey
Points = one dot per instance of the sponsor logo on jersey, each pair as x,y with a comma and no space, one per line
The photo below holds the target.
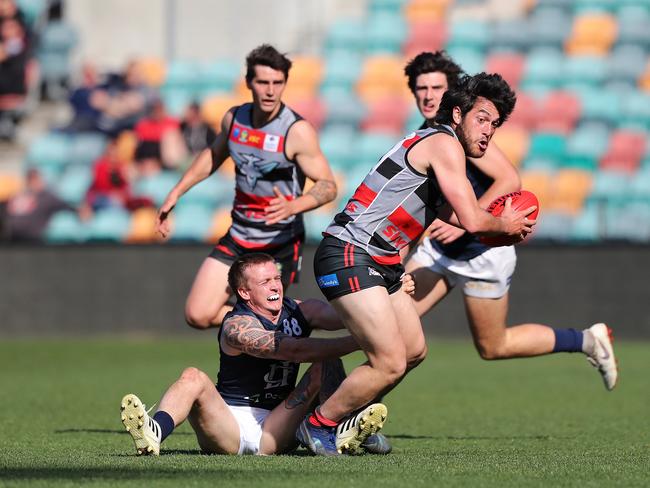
373,272
271,142
257,138
327,281
254,167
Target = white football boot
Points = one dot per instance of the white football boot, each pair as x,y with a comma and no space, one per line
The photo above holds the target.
603,356
353,431
144,430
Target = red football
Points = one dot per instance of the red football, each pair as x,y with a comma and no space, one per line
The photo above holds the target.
521,200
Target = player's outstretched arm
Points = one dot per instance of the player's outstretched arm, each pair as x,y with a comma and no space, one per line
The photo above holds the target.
245,334
205,163
303,147
321,315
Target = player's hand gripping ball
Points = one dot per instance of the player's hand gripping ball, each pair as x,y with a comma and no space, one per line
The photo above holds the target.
521,200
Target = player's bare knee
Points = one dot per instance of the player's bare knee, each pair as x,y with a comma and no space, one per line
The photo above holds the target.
392,370
194,377
416,358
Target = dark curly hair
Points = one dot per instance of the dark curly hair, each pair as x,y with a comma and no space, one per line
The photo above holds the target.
428,62
469,88
267,55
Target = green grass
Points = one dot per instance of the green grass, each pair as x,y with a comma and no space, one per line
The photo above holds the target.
454,421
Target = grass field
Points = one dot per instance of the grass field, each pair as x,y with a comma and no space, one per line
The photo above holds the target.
455,421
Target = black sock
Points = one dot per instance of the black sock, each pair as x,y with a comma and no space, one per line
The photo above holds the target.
166,423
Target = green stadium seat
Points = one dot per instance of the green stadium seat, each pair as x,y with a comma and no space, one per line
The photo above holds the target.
192,222
586,145
555,226
33,10
371,147
640,185
385,34
470,59
600,105
108,225
337,143
549,146
587,225
212,192
315,224
65,227
156,186
346,35
628,221
510,35
414,120
74,183
610,186
56,42
472,34
633,23
85,148
218,76
635,110
391,7
587,6
543,67
343,108
549,26
183,76
626,63
584,70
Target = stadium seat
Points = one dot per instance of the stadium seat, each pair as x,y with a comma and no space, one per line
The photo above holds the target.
85,148
341,71
305,77
371,147
600,105
552,225
154,71
311,109
337,143
215,107
211,192
587,224
385,34
56,41
108,225
525,112
610,186
51,150
466,33
593,6
559,112
65,227
633,226
635,110
218,77
570,188
10,184
640,184
510,35
33,10
425,36
586,145
470,59
387,115
390,7
513,140
343,108
633,25
626,63
156,186
584,71
549,146
315,224
191,222
414,120
425,10
142,229
382,76
537,181
549,27
74,183
509,65
543,68
626,148
592,34
221,221
183,77
346,34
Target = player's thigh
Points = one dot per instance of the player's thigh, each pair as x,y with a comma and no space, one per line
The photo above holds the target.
279,430
486,317
369,316
430,287
210,289
216,428
409,324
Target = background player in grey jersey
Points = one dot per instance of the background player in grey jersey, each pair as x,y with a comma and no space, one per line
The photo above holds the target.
450,256
274,149
265,334
357,264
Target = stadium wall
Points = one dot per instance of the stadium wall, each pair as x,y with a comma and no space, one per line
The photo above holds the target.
54,291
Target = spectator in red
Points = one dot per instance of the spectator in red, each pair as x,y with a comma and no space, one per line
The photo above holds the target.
160,143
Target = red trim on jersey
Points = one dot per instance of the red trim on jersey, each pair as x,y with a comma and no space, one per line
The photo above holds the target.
409,142
250,245
364,195
406,223
240,134
292,277
348,255
387,260
224,249
354,283
296,253
252,201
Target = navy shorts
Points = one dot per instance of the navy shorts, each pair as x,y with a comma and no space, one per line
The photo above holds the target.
288,256
342,268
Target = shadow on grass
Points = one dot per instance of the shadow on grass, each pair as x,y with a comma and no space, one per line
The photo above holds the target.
103,431
478,438
144,473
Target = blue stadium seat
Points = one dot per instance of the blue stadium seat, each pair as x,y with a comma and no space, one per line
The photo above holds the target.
156,186
191,222
183,76
370,147
74,183
640,185
584,6
414,120
587,226
50,150
635,110
85,148
549,26
626,63
337,143
385,34
472,34
543,68
610,186
341,71
553,226
56,42
584,70
343,108
212,192
65,227
600,105
586,145
510,35
633,23
315,224
628,221
108,225
470,59
176,100
346,35
218,77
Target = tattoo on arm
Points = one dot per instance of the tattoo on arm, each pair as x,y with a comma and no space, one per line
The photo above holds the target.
333,374
300,394
247,334
323,191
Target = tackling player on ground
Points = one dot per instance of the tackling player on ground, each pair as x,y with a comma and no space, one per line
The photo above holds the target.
451,256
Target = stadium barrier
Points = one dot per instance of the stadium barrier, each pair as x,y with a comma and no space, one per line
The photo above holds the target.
53,291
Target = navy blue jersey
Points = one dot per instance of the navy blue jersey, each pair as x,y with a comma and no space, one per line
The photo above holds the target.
246,380
466,246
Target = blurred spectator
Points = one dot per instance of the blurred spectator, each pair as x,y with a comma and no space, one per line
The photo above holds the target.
13,74
197,134
111,185
10,11
28,212
123,101
160,142
85,116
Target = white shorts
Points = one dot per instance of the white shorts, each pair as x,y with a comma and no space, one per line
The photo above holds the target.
250,421
488,275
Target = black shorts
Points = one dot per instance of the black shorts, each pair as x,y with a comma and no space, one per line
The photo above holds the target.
342,268
288,256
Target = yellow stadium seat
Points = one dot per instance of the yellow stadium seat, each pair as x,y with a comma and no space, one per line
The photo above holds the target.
221,221
513,140
383,77
538,182
214,108
644,81
570,187
10,184
143,227
153,71
426,10
127,142
592,34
